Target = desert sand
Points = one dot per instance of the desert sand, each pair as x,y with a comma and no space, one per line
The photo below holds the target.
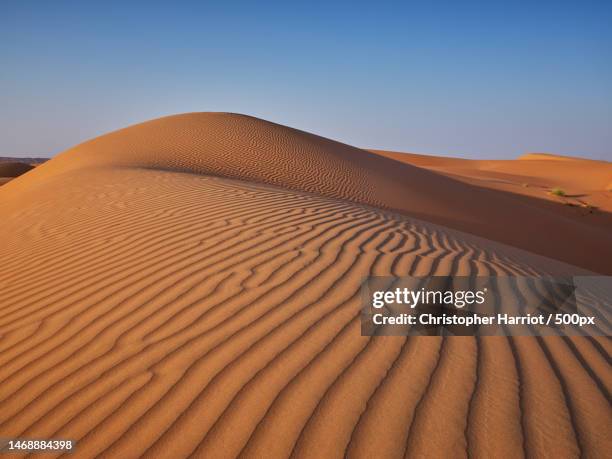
190,286
529,179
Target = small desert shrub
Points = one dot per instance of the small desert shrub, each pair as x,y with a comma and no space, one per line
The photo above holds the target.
557,191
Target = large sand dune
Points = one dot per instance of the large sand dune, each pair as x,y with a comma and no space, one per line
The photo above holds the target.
247,148
191,286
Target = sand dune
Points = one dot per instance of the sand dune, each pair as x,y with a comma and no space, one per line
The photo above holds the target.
190,286
14,169
587,201
11,168
584,174
247,148
550,156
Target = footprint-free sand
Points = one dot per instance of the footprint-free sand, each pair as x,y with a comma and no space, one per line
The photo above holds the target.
191,286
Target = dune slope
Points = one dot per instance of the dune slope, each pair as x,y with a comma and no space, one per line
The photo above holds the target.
247,148
156,313
528,181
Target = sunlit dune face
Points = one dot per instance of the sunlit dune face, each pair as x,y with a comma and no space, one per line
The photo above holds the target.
191,286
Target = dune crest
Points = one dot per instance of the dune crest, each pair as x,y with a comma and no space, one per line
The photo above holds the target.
551,157
246,148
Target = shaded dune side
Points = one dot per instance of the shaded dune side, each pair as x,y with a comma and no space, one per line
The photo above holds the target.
166,314
14,169
247,148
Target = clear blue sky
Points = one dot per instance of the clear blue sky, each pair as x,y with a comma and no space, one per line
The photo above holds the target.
476,79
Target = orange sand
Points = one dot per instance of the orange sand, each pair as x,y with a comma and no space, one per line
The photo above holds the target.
530,179
190,286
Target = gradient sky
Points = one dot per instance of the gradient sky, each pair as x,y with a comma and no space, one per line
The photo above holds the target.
478,79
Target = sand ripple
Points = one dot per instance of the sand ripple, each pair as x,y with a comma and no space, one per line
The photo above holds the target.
166,314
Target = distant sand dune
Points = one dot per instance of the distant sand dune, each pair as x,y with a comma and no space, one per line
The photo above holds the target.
14,169
11,169
550,156
585,182
583,174
151,312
